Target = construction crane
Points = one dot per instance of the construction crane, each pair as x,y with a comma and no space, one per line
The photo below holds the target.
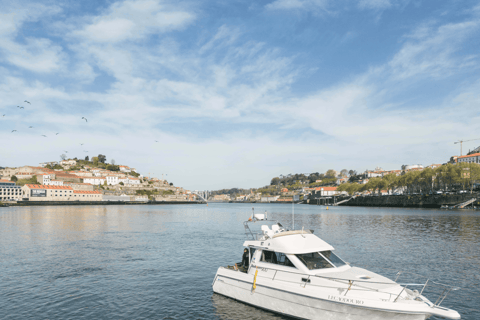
462,141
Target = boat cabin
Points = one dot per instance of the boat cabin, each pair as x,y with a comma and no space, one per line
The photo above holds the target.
298,251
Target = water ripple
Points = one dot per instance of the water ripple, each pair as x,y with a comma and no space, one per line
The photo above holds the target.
158,262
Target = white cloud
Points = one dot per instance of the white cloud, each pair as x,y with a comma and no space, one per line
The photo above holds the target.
134,20
38,55
431,51
229,80
374,4
34,54
324,5
297,4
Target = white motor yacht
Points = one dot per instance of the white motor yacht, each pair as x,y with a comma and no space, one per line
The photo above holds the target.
295,273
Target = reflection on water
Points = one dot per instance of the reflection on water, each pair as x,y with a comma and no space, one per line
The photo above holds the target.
229,309
130,262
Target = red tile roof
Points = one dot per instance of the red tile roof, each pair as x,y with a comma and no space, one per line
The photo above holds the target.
470,155
326,188
41,186
4,181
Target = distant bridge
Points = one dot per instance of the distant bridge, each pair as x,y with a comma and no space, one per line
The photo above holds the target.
202,194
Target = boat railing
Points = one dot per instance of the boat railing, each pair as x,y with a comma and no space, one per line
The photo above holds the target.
444,288
360,285
256,236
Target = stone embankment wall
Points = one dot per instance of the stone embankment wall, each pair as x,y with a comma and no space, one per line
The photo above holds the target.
413,201
95,203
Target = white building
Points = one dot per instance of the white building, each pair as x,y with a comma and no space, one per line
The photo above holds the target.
269,199
112,180
9,191
96,181
125,169
329,191
55,183
134,181
44,178
413,166
373,174
472,158
68,162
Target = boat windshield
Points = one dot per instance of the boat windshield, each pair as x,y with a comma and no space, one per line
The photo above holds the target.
316,260
337,262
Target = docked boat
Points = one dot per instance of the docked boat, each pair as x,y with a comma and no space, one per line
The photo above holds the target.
295,273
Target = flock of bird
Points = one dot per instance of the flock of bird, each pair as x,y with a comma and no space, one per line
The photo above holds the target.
31,127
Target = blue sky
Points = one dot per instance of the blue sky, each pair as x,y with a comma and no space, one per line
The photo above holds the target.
237,92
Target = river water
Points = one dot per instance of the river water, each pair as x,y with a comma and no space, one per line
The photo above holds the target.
158,262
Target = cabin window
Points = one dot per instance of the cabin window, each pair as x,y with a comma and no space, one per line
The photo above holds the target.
276,258
337,262
314,260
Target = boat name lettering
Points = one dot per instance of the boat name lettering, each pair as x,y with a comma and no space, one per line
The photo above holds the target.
346,300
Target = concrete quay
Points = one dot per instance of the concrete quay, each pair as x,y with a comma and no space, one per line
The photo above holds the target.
94,203
413,201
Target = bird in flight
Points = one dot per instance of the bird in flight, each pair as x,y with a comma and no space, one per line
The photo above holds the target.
14,130
4,115
44,135
57,133
20,107
85,151
65,151
85,119
81,144
27,102
156,141
30,127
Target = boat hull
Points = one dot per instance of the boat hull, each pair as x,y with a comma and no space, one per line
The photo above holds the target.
238,286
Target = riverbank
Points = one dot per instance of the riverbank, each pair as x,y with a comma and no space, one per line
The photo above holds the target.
95,203
413,201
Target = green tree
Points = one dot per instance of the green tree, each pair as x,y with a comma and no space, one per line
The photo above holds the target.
373,184
102,158
275,181
112,167
351,188
121,183
330,173
13,178
390,181
22,182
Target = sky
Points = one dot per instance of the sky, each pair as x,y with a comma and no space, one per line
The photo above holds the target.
219,94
